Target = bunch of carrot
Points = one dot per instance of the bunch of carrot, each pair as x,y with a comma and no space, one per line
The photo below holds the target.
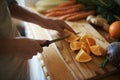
70,11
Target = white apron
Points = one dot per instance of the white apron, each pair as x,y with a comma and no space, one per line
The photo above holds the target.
11,67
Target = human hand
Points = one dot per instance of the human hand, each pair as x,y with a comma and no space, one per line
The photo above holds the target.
26,48
55,24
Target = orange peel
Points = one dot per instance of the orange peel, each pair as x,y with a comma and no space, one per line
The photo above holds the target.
97,50
82,56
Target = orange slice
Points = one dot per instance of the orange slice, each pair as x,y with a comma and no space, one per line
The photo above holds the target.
85,47
84,37
72,37
90,41
97,50
75,45
82,56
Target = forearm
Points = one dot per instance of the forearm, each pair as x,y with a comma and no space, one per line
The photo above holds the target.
29,16
24,14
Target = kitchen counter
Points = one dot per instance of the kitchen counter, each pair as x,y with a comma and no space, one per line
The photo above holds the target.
53,64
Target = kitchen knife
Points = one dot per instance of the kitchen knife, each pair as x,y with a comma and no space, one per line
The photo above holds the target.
48,42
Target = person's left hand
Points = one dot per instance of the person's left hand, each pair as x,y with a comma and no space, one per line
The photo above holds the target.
54,24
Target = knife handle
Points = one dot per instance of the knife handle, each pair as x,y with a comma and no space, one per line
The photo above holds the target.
47,42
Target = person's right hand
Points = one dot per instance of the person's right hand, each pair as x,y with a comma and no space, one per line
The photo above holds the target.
26,48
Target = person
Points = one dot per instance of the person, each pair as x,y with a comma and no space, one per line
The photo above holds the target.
15,50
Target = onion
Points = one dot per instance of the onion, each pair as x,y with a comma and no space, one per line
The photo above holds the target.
114,53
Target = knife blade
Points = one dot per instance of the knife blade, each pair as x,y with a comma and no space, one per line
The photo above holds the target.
48,42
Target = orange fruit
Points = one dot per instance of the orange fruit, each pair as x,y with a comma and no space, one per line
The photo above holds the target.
72,37
75,45
97,50
85,47
84,37
90,41
82,56
114,29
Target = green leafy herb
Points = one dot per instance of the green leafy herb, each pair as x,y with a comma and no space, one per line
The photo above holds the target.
106,8
104,63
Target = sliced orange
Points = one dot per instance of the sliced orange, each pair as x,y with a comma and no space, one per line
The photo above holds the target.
82,56
85,47
90,41
75,45
84,37
72,37
97,50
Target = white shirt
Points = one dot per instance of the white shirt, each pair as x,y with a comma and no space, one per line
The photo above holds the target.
11,67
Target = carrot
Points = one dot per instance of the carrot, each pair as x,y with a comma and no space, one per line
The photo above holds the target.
67,15
60,13
66,8
80,15
68,3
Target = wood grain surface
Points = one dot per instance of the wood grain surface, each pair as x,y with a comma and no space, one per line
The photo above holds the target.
59,59
83,71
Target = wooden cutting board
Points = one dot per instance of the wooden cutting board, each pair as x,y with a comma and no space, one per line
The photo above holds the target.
59,60
82,71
